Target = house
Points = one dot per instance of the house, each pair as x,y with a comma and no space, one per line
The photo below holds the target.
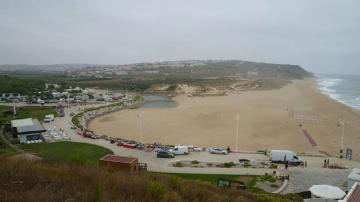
27,130
121,163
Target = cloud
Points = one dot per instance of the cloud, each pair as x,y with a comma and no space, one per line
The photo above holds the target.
319,35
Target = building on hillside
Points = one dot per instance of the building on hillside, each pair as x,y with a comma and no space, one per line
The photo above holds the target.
121,163
27,130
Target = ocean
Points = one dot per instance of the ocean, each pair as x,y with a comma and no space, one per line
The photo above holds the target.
342,88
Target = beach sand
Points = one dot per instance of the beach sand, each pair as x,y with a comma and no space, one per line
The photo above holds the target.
268,120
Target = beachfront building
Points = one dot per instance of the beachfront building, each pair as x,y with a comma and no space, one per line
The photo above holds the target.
27,130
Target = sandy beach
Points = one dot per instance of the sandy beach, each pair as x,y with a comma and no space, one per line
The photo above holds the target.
272,119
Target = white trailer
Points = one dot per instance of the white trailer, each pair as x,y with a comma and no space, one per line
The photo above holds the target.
281,156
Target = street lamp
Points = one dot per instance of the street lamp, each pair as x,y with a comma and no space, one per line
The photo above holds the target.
237,129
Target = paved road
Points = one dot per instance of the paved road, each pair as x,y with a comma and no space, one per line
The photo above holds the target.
300,178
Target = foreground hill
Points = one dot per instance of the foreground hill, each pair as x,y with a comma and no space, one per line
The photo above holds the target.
42,181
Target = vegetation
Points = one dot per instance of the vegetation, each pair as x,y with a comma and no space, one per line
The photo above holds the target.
62,181
68,151
273,166
209,178
11,84
76,119
4,147
195,162
4,108
178,164
26,112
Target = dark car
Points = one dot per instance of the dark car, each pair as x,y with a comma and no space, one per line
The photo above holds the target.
165,154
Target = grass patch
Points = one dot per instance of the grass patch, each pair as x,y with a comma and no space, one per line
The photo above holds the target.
26,112
4,108
195,162
209,178
68,151
268,178
4,148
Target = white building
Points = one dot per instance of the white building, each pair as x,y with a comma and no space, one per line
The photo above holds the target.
27,130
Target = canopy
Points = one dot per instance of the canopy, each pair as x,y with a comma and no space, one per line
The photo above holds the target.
327,192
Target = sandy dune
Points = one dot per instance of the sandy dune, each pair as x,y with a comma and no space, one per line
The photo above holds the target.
268,120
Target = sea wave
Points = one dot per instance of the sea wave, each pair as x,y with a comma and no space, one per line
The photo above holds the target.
326,86
330,86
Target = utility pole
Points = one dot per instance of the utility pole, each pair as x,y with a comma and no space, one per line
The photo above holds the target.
237,129
83,120
140,115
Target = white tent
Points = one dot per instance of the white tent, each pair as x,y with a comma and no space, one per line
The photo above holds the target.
327,192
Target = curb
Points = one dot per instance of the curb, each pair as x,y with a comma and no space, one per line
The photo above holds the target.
282,188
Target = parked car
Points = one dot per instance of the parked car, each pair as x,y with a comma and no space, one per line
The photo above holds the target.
218,151
49,118
165,154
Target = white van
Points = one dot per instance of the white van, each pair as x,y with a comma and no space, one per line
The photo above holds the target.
281,156
49,118
179,150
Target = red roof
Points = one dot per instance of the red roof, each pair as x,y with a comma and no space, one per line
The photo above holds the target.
119,159
355,196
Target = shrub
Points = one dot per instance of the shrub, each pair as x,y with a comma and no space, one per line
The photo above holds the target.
195,162
156,190
273,166
247,165
178,164
229,164
209,164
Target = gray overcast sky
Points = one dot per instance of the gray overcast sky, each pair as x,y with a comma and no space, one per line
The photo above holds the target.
320,35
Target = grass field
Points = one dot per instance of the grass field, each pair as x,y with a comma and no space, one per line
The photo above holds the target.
4,148
25,112
249,180
4,108
68,151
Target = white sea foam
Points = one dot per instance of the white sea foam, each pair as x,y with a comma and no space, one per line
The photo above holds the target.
334,88
326,84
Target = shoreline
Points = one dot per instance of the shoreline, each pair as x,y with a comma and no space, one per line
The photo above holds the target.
175,125
332,94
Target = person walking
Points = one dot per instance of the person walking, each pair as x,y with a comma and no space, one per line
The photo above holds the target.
228,150
286,165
